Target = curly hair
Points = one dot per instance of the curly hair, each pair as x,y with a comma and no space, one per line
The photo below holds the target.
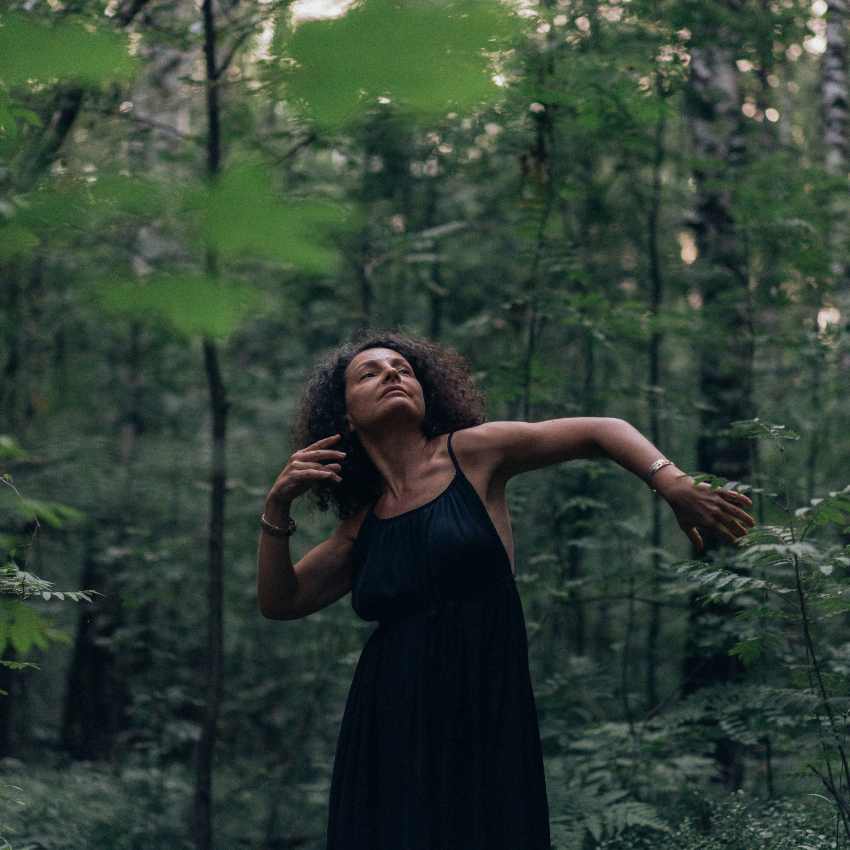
452,402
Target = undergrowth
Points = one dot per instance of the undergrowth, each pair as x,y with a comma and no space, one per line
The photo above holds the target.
739,823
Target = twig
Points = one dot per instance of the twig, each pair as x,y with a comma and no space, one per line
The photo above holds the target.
843,805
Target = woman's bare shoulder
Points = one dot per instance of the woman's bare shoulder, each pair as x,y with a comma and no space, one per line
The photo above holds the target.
482,449
491,436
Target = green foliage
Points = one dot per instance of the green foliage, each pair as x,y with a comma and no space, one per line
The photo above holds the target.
592,787
738,823
71,47
16,583
786,613
21,626
600,816
192,305
11,448
80,808
431,57
241,216
11,112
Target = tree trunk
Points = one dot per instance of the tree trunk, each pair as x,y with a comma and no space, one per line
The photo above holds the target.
95,698
655,287
834,125
834,99
215,584
66,107
219,407
726,353
726,350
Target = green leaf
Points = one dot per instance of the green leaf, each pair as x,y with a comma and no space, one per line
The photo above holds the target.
17,665
16,241
9,447
430,56
715,482
69,47
53,513
242,215
778,550
119,193
10,111
593,822
192,305
751,648
22,627
755,429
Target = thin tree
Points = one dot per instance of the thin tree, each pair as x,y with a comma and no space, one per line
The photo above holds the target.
725,354
219,406
655,341
834,129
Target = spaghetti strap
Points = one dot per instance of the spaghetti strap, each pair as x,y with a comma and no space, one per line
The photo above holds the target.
451,452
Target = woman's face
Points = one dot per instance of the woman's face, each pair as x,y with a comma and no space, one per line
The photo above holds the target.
379,383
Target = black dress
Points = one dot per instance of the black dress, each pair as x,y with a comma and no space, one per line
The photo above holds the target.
439,747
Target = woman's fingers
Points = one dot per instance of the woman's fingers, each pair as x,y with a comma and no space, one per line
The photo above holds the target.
732,500
303,470
314,470
314,463
319,451
733,526
323,443
318,455
694,536
720,511
736,520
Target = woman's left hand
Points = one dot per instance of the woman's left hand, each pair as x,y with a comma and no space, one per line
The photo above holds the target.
697,505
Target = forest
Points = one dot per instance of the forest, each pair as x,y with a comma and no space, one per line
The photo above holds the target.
632,208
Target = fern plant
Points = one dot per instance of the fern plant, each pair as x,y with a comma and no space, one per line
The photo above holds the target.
21,626
791,582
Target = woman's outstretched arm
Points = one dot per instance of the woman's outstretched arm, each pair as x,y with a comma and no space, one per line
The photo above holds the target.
510,448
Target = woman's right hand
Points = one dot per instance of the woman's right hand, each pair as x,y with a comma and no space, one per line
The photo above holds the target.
318,462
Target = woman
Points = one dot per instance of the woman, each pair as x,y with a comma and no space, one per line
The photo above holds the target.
439,746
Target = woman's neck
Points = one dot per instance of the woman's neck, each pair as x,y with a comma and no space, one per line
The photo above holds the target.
401,455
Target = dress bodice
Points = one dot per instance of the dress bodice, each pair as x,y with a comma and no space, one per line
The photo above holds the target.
444,549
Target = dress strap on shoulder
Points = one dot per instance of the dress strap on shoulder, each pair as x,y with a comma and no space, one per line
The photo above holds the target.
451,452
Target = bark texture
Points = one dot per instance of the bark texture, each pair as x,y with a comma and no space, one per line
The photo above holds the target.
834,88
203,804
714,116
834,128
725,371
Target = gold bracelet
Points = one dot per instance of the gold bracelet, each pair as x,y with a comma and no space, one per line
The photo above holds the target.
274,531
659,464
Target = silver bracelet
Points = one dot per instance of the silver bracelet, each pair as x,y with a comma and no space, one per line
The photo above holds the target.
659,464
274,531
